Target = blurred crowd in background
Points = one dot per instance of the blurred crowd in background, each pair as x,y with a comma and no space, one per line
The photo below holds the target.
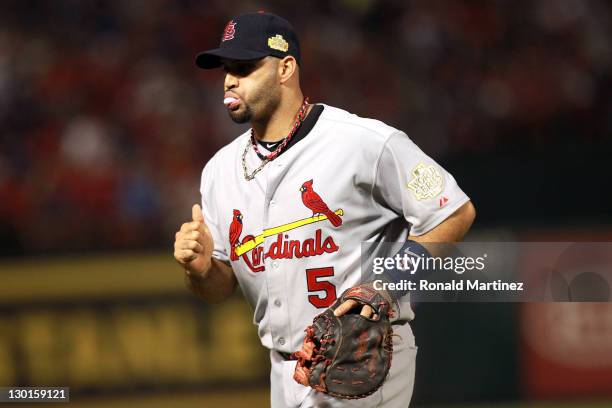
106,123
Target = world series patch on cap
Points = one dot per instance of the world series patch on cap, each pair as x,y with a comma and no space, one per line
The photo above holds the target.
251,36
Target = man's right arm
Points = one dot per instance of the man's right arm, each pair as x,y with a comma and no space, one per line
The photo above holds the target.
212,280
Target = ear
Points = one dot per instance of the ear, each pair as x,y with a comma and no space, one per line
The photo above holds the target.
286,68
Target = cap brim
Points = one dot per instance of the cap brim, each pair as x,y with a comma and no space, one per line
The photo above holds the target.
212,58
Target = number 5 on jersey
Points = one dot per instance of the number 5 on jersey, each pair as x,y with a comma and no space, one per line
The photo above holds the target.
317,284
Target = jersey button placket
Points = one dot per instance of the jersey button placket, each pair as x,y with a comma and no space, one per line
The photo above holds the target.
278,314
278,318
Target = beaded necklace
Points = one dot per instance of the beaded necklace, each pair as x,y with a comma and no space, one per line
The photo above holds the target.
265,159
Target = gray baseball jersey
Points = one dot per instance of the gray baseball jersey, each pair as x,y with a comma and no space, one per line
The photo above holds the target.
293,234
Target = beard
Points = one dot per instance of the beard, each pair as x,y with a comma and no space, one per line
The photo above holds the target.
241,116
261,105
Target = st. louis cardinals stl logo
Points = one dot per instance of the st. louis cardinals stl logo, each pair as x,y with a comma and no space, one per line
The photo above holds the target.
252,252
229,31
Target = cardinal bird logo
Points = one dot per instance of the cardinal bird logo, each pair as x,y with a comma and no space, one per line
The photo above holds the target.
235,230
316,204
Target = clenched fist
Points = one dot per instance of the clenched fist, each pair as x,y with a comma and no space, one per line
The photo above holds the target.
193,244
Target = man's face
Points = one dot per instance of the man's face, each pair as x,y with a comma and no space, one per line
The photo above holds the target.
255,87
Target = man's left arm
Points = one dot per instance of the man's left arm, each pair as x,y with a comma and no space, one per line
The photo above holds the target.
414,185
452,229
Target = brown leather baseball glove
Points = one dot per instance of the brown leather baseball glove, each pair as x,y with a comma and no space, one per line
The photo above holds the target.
347,356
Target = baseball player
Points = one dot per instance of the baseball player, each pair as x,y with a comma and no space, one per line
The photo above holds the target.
286,205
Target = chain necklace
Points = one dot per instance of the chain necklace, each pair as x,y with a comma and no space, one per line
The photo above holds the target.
247,176
265,159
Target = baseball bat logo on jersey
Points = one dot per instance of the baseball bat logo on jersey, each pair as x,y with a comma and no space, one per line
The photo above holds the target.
252,252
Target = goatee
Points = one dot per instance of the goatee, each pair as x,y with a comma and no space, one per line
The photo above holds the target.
241,117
